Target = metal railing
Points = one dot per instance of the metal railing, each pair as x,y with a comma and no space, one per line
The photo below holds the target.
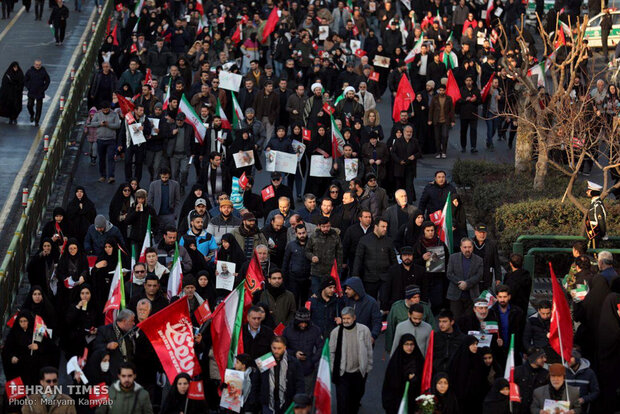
529,259
19,249
518,245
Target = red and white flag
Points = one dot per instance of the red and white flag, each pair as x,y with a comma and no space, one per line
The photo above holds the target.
243,181
170,332
147,242
374,76
267,193
15,389
203,313
306,134
196,390
509,373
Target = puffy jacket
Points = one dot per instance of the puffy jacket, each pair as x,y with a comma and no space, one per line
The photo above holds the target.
434,197
584,379
282,307
295,264
309,341
94,240
159,60
373,258
366,308
535,332
326,247
134,401
445,347
205,242
134,80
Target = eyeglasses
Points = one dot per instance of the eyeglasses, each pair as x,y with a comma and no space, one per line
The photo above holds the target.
139,271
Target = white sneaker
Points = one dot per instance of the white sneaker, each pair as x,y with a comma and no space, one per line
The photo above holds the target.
438,156
443,155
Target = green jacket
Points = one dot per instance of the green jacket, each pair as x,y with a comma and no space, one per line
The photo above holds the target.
326,247
400,312
136,401
282,309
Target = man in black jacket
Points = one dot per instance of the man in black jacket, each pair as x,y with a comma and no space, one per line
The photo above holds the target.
435,194
447,340
152,291
256,337
405,274
37,81
510,319
373,258
468,109
280,383
296,266
487,250
519,281
352,238
530,376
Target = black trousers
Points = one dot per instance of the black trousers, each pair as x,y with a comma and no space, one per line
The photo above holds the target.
59,31
38,9
134,157
349,392
31,108
473,132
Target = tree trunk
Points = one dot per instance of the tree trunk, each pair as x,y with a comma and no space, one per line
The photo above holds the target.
523,148
541,166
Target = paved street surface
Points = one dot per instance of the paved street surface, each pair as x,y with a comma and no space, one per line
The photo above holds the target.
25,41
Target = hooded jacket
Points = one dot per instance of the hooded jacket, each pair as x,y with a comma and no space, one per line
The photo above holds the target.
323,314
94,240
584,379
309,341
366,308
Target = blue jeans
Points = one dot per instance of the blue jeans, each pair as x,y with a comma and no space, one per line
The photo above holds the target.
277,67
492,127
105,152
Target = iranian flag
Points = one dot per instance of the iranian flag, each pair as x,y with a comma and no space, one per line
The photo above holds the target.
192,118
539,70
147,241
337,140
404,403
167,95
238,35
443,220
116,297
237,112
510,371
175,280
323,386
226,329
416,49
489,10
219,111
137,10
199,8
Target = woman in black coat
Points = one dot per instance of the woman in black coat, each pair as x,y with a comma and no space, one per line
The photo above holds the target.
120,204
38,303
445,398
23,358
58,228
467,373
230,251
82,321
609,354
189,204
41,266
81,213
409,234
206,287
244,142
11,92
497,400
321,144
176,401
71,272
138,219
459,220
103,271
406,365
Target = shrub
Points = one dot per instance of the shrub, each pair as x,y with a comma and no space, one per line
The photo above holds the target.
469,173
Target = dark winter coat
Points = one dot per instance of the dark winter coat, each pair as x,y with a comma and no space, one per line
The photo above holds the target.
36,81
373,258
434,197
366,308
401,151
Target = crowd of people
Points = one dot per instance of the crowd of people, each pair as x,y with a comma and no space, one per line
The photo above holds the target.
347,257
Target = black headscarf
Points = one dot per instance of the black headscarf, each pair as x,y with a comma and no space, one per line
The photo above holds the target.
496,402
445,403
234,253
467,371
45,308
399,368
207,292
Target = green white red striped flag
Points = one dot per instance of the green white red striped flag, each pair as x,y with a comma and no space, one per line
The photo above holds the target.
192,118
237,112
510,371
167,95
226,329
404,403
175,280
337,140
116,297
443,220
147,241
323,385
219,111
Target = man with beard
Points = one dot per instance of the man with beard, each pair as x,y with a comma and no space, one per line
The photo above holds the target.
536,331
215,177
296,266
447,340
217,138
166,249
324,307
279,190
399,312
346,213
225,222
313,109
463,273
352,237
487,250
557,390
510,319
400,213
372,185
280,383
126,395
338,169
304,340
405,154
350,347
275,233
262,253
205,242
248,235
281,302
152,293
415,326
348,108
323,248
404,274
435,194
529,376
284,209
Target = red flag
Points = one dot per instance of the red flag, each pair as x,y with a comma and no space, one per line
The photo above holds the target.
221,20
306,135
12,319
114,35
119,7
236,37
279,329
487,88
196,390
170,332
561,327
98,394
328,108
91,261
560,39
334,274
15,389
355,31
359,53
133,48
452,88
427,374
374,76
308,305
270,26
254,280
243,181
203,313
125,104
404,96
268,192
315,46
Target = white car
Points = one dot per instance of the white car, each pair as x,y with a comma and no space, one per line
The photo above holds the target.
593,31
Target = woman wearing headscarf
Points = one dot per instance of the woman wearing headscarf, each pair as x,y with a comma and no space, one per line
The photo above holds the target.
58,228
39,304
609,354
176,401
11,92
21,356
138,218
103,271
119,207
588,312
459,221
445,399
334,193
406,365
196,192
497,400
409,234
81,213
71,272
42,264
205,287
492,368
467,372
230,251
82,321
97,368
109,52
